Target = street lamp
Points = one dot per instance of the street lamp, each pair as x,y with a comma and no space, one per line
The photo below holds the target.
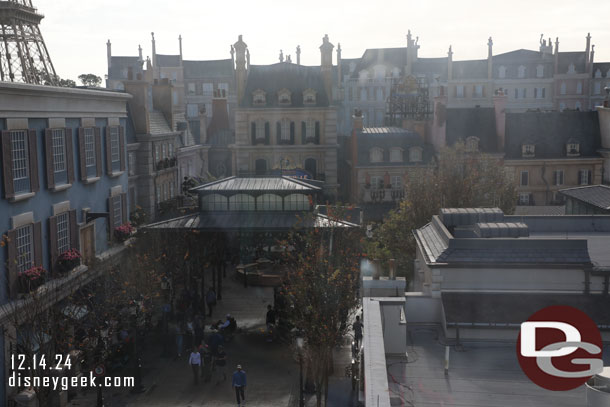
300,343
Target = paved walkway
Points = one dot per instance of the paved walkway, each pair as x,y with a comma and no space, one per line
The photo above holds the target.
272,370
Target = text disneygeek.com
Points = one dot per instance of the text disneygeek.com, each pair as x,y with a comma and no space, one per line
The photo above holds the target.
64,383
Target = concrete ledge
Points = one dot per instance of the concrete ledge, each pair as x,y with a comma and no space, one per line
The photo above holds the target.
22,197
384,287
376,389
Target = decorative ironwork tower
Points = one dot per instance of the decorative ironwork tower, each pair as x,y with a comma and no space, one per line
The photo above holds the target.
23,53
409,99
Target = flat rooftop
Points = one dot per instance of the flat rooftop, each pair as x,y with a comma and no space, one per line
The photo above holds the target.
481,374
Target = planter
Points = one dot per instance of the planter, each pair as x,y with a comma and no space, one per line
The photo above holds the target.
27,285
63,266
123,232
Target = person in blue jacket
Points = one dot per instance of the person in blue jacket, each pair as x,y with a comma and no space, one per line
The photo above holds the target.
239,383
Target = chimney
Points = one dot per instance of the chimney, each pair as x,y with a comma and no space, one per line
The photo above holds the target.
439,124
180,46
281,56
587,49
298,55
240,67
450,64
392,269
356,128
232,57
591,58
326,53
603,115
339,73
220,115
154,51
500,112
140,54
490,44
109,53
556,55
376,269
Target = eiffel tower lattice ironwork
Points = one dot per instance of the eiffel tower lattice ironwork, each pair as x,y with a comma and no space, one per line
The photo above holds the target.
23,54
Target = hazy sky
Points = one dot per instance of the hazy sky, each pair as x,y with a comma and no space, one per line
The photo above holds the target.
76,31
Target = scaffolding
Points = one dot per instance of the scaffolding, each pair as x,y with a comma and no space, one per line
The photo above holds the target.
409,100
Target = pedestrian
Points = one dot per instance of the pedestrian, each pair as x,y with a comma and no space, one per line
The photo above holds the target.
220,361
179,338
270,320
206,363
239,383
195,362
210,300
357,326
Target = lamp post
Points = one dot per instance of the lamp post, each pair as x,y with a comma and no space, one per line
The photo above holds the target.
300,342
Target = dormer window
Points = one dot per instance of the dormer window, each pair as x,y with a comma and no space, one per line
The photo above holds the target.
502,72
472,144
396,155
573,148
598,73
571,68
309,97
539,71
284,97
259,97
376,155
528,150
415,154
521,71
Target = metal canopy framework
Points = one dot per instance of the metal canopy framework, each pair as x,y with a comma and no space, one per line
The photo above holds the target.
23,54
409,99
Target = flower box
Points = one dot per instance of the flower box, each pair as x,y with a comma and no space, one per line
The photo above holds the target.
30,279
123,232
68,260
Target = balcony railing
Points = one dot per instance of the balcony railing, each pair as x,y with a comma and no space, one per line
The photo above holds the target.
381,195
166,163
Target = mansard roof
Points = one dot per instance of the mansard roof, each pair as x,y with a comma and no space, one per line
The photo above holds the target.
206,69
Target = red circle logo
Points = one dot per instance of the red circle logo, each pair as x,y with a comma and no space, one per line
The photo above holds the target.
559,348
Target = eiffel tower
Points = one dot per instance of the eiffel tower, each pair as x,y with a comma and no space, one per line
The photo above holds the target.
23,53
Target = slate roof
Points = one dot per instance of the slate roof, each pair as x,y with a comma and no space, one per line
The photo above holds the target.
296,78
276,184
119,64
386,138
520,55
603,67
390,57
529,210
168,60
251,220
496,308
479,122
474,69
431,67
596,195
550,132
208,69
577,58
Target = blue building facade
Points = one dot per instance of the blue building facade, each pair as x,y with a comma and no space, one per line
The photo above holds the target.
63,160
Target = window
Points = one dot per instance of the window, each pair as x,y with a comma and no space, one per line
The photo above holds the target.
208,89
380,95
573,149
296,202
269,202
89,147
157,154
309,97
478,91
539,71
171,189
524,198
115,153
63,232
117,212
376,155
524,181
502,72
192,110
577,105
521,71
158,190
584,177
132,163
214,202
396,181
20,158
191,88
283,128
350,93
25,258
415,154
164,150
362,93
598,73
223,87
241,202
579,88
459,91
258,97
170,151
283,97
175,97
563,88
59,150
562,106
571,68
516,93
558,177
597,88
524,93
376,182
528,150
396,155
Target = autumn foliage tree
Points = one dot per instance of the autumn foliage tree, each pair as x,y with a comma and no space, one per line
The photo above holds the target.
322,288
462,179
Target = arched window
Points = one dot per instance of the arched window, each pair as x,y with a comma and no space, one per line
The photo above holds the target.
579,88
597,88
528,150
269,202
573,148
539,71
396,155
213,202
296,202
571,68
376,155
415,154
260,166
521,71
241,202
563,89
598,74
311,167
502,72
